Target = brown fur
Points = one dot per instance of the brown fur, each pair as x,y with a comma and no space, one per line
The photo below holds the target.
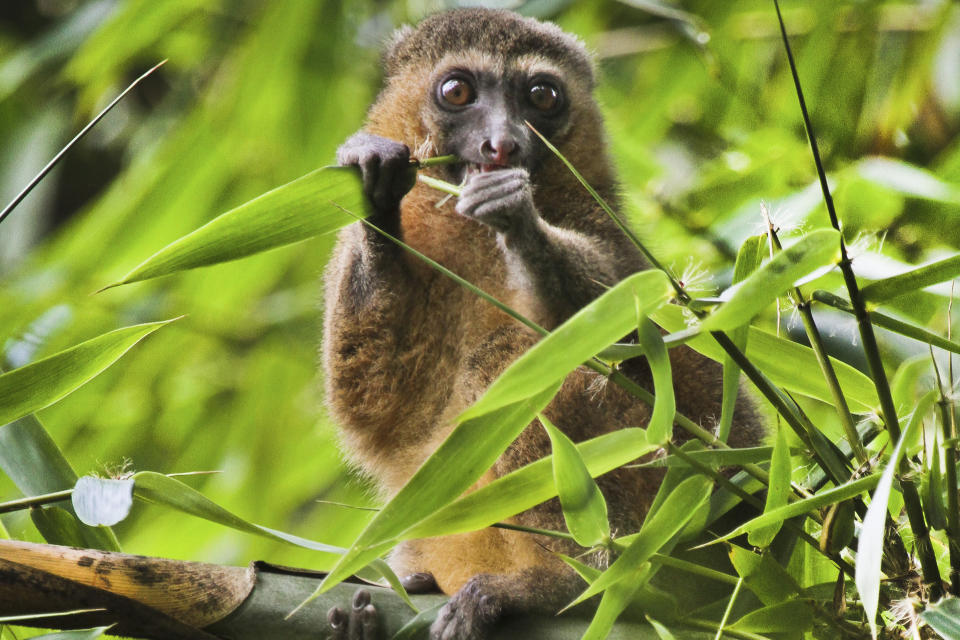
411,351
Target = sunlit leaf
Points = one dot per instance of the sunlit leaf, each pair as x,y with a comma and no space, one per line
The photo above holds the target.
870,542
913,280
815,250
470,449
615,599
749,258
665,406
307,207
599,324
800,507
763,575
156,488
75,634
778,490
584,508
794,616
908,179
39,384
530,485
657,530
788,364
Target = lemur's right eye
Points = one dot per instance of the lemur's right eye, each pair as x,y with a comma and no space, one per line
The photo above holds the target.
457,92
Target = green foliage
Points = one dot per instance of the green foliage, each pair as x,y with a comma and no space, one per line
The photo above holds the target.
703,123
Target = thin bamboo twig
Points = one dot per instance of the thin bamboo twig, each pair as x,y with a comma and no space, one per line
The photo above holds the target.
819,350
35,501
911,498
50,165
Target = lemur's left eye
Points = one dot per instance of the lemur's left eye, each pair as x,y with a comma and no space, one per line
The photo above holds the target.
544,96
458,92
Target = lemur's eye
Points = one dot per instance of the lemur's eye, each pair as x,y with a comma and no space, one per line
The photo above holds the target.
457,92
544,96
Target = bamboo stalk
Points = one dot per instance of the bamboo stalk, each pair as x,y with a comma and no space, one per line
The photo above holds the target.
911,498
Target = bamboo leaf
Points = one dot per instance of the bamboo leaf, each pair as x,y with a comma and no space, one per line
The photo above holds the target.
815,250
309,206
793,617
598,325
870,543
763,575
102,501
615,599
530,485
933,495
59,526
778,490
788,364
890,323
665,405
749,258
35,464
800,507
657,530
156,488
76,634
913,280
662,632
584,509
908,179
470,449
39,384
944,617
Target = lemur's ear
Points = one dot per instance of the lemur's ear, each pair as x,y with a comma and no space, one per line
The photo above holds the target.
393,44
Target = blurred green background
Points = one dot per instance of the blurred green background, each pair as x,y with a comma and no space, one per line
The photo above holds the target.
703,122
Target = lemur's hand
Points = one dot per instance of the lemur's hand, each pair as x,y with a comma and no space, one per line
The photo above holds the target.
387,174
501,199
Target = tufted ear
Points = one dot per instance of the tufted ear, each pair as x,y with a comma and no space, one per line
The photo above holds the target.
393,45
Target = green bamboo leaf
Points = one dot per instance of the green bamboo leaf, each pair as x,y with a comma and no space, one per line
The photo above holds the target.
75,634
58,526
778,490
800,507
870,543
665,405
749,258
763,575
716,458
793,617
102,501
156,488
35,464
598,325
615,599
470,449
657,530
815,250
39,384
913,280
309,206
584,509
530,485
908,179
944,617
661,630
934,508
889,322
788,364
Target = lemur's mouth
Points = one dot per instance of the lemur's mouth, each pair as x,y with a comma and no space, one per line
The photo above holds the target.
470,168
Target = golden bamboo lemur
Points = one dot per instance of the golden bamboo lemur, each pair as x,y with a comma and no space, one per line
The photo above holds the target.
406,349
